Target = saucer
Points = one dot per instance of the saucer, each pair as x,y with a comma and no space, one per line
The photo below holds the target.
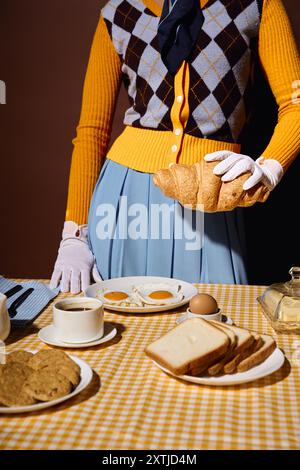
47,335
224,319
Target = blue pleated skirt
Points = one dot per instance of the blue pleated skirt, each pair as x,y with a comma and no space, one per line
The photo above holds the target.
128,240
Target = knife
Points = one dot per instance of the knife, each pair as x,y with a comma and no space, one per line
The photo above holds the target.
12,310
13,291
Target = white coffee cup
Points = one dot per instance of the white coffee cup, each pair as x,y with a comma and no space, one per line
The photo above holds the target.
212,316
78,319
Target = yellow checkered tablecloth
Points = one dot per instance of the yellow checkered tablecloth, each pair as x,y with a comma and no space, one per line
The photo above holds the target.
131,404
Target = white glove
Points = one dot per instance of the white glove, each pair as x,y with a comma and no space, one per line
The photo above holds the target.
75,260
232,165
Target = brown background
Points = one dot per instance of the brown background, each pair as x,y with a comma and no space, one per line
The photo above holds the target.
44,48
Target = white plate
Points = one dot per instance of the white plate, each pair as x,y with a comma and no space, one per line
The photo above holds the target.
47,335
86,374
270,365
226,320
125,283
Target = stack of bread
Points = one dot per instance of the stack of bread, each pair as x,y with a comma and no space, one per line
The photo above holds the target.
200,347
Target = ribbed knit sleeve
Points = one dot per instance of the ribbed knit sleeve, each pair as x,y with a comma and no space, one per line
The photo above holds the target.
101,86
280,60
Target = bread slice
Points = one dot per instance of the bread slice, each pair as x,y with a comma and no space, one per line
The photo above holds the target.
244,337
259,355
243,341
230,333
217,367
231,366
195,343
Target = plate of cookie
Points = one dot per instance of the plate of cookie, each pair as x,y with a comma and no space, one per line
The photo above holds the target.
32,381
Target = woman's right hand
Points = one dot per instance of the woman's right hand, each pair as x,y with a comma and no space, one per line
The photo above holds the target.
75,261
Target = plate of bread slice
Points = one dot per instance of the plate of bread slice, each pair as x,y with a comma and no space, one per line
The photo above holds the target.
213,353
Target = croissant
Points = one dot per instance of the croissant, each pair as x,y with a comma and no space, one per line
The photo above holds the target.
197,184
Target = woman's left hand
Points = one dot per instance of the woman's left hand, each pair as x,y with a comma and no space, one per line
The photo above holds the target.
232,165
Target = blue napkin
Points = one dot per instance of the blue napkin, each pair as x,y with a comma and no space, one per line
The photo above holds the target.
35,302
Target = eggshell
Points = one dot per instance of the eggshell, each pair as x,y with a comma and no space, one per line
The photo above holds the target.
203,304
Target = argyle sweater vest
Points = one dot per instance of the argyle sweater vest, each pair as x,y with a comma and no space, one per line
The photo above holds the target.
220,67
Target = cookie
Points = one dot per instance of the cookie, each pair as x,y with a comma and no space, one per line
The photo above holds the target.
12,379
24,399
36,360
60,363
72,375
48,357
19,356
46,386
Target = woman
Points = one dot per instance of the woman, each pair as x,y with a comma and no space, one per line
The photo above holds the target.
187,66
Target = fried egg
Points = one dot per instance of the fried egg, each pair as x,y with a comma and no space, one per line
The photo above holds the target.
120,298
114,297
158,294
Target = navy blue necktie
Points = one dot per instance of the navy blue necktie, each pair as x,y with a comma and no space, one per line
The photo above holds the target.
178,30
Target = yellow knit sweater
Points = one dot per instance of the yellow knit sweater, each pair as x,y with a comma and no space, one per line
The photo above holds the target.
279,59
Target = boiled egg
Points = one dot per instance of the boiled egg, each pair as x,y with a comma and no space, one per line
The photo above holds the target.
203,304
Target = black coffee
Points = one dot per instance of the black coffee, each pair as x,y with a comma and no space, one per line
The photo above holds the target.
75,309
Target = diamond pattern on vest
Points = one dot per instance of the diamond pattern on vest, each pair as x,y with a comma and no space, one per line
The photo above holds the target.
220,67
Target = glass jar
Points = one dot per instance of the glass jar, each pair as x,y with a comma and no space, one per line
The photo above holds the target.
281,304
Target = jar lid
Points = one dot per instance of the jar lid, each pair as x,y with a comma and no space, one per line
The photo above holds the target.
293,285
281,303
